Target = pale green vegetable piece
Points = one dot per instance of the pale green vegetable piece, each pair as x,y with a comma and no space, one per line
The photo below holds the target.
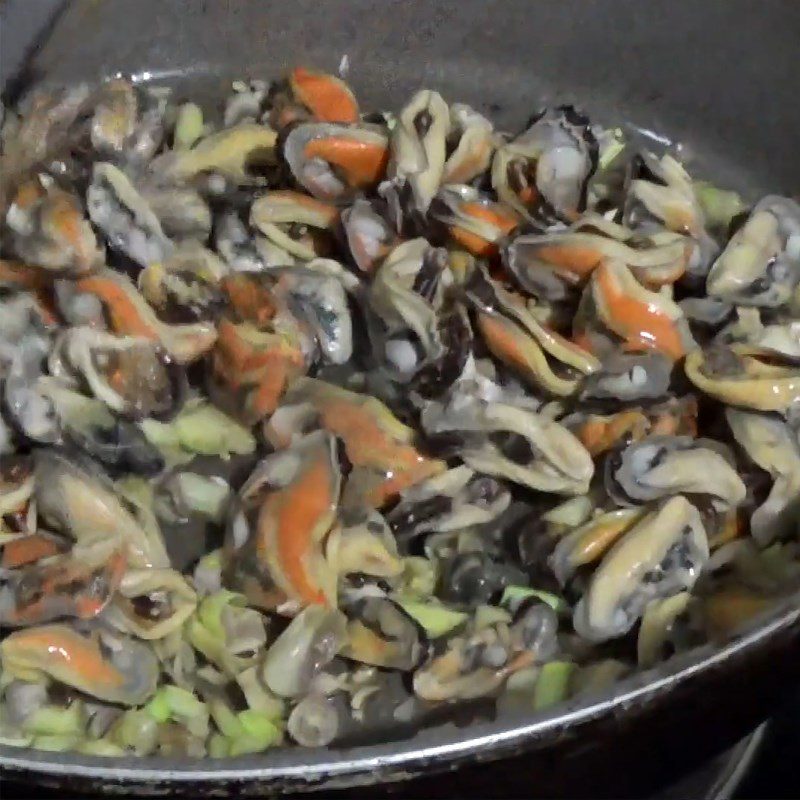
523,682
720,206
165,438
570,513
552,685
437,620
15,739
203,494
183,703
519,690
56,743
224,718
199,428
161,434
210,610
158,707
658,617
778,562
218,746
486,616
511,593
595,677
206,632
57,721
207,573
419,577
100,747
249,743
212,559
610,153
136,730
203,639
259,725
203,428
258,696
180,705
188,126
249,731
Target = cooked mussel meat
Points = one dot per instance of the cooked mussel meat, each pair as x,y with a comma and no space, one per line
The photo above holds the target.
470,145
381,633
379,447
77,584
660,466
661,190
88,424
454,500
761,264
129,374
334,162
643,320
49,229
542,357
472,220
275,552
239,154
770,444
546,169
74,497
661,555
295,223
515,443
370,238
128,222
404,297
101,664
745,376
418,147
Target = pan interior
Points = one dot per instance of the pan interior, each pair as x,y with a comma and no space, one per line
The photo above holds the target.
508,60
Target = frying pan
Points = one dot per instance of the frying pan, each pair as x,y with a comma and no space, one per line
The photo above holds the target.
718,76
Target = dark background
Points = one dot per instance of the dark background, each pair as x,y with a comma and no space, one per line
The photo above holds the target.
776,772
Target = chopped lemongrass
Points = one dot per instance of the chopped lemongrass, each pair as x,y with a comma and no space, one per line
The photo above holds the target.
419,577
100,747
225,719
593,678
719,205
56,743
137,730
158,707
182,702
188,126
246,743
203,428
436,619
57,721
259,725
219,746
486,615
513,594
552,685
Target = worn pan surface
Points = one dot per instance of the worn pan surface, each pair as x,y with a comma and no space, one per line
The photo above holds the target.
719,76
